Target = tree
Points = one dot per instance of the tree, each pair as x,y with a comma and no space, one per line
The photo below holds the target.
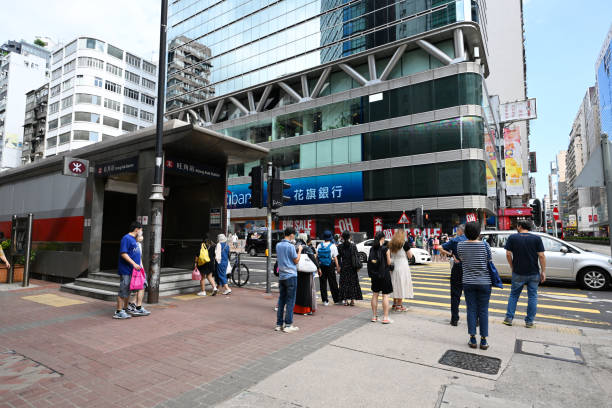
40,42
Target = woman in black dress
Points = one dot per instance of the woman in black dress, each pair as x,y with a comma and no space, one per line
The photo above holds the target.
350,290
379,270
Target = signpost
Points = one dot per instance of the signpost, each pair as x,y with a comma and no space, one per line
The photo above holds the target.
404,219
555,219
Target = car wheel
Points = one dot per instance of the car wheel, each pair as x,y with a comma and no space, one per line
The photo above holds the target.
252,252
594,279
363,258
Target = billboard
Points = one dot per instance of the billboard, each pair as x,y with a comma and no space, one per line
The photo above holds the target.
490,152
513,161
519,110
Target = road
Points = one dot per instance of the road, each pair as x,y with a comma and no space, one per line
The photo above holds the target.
559,302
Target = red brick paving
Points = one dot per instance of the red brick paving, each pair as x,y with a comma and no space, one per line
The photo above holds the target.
147,360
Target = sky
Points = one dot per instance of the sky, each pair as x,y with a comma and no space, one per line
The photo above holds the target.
563,39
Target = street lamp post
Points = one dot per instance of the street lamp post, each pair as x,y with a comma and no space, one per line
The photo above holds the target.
157,189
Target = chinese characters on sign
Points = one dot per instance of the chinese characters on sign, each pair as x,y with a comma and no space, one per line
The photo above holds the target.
191,168
117,167
215,218
520,110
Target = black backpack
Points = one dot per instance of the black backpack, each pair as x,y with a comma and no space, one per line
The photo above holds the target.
355,260
376,263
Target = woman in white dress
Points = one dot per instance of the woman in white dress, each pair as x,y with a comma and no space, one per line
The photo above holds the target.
400,275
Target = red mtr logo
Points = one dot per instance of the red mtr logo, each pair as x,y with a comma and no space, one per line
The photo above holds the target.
77,167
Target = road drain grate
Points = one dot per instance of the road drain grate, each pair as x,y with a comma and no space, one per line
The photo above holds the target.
471,362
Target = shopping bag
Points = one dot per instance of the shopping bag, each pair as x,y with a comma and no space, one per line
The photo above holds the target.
138,279
196,275
203,257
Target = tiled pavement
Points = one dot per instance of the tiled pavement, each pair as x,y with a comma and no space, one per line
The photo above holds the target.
189,352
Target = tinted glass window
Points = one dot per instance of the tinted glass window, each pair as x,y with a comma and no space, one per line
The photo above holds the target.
551,245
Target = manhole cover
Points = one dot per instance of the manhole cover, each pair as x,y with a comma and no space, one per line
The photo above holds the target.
548,350
471,362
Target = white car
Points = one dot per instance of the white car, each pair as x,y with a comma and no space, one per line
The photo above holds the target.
564,261
420,255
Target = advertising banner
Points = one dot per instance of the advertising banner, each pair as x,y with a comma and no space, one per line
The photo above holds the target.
514,165
346,224
308,226
490,152
519,110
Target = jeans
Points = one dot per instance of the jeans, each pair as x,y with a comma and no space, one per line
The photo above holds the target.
477,300
456,287
518,281
287,288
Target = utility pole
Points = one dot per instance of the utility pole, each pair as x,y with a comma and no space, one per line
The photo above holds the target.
157,189
269,238
607,163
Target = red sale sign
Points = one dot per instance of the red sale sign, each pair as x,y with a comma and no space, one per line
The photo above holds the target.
346,224
471,217
301,226
378,224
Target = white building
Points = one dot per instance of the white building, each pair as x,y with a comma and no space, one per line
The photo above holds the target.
19,73
97,91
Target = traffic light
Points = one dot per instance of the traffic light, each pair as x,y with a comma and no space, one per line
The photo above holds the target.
277,197
536,211
257,187
419,216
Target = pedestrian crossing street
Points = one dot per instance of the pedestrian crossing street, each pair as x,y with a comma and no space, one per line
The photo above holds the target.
565,305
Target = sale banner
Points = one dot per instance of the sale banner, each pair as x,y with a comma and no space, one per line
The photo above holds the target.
490,152
308,226
350,224
514,164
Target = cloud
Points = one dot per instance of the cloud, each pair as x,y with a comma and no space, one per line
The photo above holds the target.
132,25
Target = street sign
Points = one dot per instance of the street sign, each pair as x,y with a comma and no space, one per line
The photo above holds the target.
75,167
471,217
404,219
556,213
519,110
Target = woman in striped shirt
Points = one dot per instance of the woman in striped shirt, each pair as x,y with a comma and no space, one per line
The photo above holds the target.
474,255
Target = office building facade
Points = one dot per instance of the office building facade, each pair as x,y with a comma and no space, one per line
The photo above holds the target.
97,92
369,108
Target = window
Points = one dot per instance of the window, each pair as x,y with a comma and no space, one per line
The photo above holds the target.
128,127
85,135
130,110
29,114
132,60
68,67
91,43
112,122
130,93
107,137
490,239
144,115
68,84
66,120
149,100
113,69
86,117
64,138
54,108
88,62
57,73
110,104
113,87
98,82
88,98
52,142
551,245
67,102
115,52
53,124
70,48
57,56
148,67
55,90
148,84
130,76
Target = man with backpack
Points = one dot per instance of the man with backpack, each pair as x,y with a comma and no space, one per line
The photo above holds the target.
327,255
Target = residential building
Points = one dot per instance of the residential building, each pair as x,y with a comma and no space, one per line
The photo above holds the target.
25,48
369,108
35,124
19,72
97,92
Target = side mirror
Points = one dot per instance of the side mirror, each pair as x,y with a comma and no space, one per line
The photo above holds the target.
564,250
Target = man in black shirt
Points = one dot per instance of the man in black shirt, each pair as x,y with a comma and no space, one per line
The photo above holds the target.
523,251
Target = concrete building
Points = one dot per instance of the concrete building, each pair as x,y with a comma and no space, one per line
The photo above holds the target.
97,92
35,124
368,108
20,71
562,188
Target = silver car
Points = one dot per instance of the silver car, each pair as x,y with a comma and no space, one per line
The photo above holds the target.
564,261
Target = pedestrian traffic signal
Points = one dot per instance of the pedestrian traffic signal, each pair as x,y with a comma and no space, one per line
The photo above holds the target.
419,217
257,187
536,211
277,197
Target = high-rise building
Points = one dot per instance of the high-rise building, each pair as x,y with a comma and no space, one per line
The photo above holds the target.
369,107
20,71
35,124
97,91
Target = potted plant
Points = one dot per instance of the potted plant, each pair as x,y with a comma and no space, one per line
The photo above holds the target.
6,245
18,267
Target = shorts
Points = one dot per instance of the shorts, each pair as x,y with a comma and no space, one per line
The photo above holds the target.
124,286
383,284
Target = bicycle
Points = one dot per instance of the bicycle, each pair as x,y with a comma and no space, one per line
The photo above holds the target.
240,272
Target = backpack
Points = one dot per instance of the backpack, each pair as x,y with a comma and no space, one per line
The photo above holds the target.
203,257
355,260
324,254
376,263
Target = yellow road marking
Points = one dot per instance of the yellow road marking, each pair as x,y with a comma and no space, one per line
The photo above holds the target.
53,300
190,296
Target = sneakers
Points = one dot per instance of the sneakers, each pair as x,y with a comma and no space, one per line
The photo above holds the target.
290,329
529,325
131,307
326,303
203,293
507,322
454,322
472,342
122,314
140,312
278,328
214,292
483,343
227,292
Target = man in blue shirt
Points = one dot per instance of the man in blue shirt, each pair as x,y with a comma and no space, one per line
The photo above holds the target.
287,258
456,282
523,251
130,258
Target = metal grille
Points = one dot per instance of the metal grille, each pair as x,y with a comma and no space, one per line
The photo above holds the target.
471,362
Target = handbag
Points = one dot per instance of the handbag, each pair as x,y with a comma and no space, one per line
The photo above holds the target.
196,275
203,257
306,265
495,279
357,265
138,279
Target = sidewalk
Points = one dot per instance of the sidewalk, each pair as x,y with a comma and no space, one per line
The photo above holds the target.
61,350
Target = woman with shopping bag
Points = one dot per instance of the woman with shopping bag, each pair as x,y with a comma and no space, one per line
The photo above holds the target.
204,267
222,252
307,267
